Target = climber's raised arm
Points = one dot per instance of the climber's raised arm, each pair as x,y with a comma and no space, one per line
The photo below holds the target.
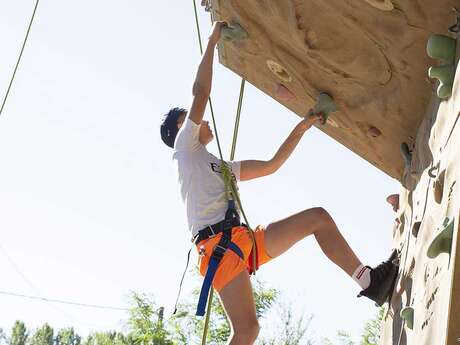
203,80
251,169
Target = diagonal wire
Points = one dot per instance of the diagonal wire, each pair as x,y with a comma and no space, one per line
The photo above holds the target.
19,58
79,304
31,285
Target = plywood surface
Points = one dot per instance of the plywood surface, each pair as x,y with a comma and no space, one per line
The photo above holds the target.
372,61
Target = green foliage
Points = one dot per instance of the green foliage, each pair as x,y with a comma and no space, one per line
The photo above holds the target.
43,336
370,335
372,329
147,326
107,338
290,329
19,334
67,336
146,322
189,329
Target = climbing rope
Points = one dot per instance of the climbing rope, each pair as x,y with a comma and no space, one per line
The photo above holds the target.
19,58
230,186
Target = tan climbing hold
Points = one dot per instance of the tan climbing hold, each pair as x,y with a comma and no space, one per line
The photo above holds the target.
438,187
332,123
383,5
279,71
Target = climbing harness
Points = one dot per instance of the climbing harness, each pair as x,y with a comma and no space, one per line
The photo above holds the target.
231,220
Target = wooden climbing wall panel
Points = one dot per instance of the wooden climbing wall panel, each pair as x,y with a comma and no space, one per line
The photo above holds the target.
429,208
370,55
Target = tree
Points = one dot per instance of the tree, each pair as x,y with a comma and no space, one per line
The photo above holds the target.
43,336
19,334
372,329
188,329
290,329
370,335
146,322
108,338
67,336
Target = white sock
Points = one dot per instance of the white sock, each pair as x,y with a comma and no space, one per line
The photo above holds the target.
362,276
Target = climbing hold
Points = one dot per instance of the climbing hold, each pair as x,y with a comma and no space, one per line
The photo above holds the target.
373,132
441,47
442,243
325,105
284,94
431,171
407,314
279,71
439,187
406,154
383,5
416,228
393,200
234,32
445,74
331,122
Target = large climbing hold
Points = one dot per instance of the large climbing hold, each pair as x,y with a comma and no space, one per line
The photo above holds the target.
442,48
445,74
442,243
325,105
234,32
407,314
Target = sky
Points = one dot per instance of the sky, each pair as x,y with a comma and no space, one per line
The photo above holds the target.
89,205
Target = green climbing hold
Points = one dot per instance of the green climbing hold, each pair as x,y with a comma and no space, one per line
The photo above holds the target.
441,47
407,314
234,32
324,104
445,74
442,243
406,154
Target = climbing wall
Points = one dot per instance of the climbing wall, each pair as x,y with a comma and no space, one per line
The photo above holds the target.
368,54
374,58
425,307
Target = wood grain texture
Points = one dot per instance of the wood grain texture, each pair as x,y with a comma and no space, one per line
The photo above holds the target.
373,61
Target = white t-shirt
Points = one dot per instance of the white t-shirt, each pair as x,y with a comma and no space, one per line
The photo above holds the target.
201,185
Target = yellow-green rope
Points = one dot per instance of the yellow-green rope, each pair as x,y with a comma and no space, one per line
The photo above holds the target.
19,58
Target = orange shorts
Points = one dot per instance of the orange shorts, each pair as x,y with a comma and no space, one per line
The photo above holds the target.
231,264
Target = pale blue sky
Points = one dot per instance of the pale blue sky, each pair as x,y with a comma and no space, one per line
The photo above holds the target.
89,206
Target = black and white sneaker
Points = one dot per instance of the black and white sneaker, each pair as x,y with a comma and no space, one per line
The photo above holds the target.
383,279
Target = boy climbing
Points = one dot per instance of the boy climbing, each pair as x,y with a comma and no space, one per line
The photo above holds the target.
213,230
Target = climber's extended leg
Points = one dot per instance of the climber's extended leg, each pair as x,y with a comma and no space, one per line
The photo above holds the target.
283,234
377,283
238,301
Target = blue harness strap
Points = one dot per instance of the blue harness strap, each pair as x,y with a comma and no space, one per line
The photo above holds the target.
216,257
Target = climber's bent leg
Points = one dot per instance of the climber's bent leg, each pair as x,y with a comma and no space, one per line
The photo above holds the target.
283,234
238,302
